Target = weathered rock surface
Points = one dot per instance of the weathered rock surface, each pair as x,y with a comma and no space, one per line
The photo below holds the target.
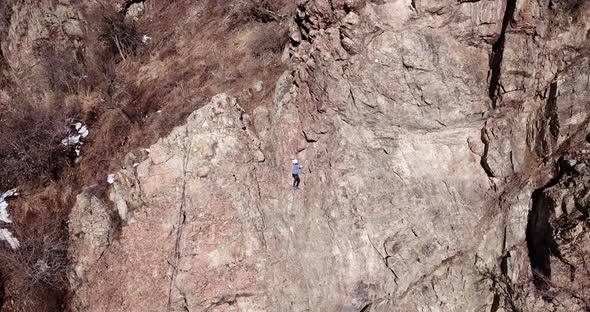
424,129
40,42
207,239
557,238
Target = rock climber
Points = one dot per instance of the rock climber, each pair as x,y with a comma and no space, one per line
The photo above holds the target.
295,172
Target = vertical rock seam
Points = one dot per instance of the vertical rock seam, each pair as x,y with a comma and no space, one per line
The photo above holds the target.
551,111
539,236
179,223
498,53
484,158
549,125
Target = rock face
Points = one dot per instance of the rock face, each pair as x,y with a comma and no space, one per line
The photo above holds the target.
424,130
557,235
208,239
41,41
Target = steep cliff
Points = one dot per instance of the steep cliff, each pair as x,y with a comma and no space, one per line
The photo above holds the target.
424,130
445,150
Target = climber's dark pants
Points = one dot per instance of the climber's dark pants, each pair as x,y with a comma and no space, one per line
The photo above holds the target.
296,180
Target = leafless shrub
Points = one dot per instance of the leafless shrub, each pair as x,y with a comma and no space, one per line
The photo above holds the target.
265,11
270,40
120,35
568,290
510,295
575,286
261,11
41,261
137,102
571,6
30,142
4,81
5,12
64,71
271,36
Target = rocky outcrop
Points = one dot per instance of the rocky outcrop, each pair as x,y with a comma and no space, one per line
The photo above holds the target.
41,43
424,129
557,235
205,248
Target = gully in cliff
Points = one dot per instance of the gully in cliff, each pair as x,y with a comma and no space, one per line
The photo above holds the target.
295,172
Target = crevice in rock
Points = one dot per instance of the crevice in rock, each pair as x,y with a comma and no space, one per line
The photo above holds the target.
540,233
498,53
302,19
243,121
125,7
539,236
495,303
308,138
484,158
347,8
227,300
180,221
434,290
353,98
366,308
551,110
139,187
458,256
260,212
549,125
504,273
385,259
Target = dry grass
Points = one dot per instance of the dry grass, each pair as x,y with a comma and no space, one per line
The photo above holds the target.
31,152
41,259
190,58
118,34
35,274
64,71
5,12
269,41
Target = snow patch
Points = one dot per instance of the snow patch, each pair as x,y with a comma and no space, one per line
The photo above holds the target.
4,212
4,217
78,133
71,140
84,131
5,235
111,179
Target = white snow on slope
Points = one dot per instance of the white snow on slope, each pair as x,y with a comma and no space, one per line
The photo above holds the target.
77,134
5,234
4,217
